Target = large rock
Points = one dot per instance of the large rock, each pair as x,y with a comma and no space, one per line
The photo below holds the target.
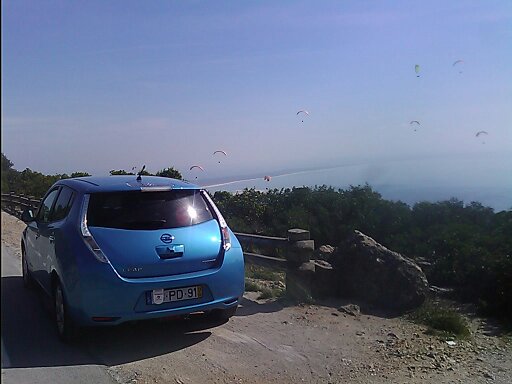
368,271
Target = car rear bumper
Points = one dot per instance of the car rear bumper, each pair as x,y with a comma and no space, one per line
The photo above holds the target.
109,299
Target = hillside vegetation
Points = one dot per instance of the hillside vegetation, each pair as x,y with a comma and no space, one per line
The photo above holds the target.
464,247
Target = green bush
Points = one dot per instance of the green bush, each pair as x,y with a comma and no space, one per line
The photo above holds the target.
266,293
251,286
441,320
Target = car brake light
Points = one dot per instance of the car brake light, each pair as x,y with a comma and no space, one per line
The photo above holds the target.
226,241
86,234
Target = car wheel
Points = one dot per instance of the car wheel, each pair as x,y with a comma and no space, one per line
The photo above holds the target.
28,280
66,329
223,314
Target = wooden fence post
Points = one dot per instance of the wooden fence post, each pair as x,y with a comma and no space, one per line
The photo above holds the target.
300,271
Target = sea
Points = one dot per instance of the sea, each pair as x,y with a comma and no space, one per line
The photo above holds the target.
487,181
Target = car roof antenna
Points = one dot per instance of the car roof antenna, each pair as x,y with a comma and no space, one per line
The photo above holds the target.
139,178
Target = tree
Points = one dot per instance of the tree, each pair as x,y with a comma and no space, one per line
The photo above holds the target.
120,172
6,164
171,173
33,183
79,174
7,173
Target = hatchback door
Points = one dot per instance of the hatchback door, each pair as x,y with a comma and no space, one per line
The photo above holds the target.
157,233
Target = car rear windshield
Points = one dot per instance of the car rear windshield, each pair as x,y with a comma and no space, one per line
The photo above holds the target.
147,210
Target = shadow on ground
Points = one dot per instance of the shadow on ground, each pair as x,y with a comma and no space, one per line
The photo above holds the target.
30,340
250,305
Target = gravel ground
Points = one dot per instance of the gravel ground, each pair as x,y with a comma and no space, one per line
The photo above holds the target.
268,342
11,232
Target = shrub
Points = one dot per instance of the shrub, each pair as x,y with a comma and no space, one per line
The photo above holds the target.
441,320
251,286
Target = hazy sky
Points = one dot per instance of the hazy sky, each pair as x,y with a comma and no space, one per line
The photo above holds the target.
100,85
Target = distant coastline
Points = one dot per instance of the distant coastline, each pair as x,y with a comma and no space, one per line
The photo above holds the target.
406,182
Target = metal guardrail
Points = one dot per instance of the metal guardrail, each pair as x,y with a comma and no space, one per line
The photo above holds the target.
262,240
277,252
265,261
16,204
266,244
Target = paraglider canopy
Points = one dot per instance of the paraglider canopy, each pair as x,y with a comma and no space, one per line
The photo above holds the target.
219,153
415,123
458,63
480,133
198,167
304,112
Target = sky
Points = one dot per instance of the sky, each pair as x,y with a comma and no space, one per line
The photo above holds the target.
100,85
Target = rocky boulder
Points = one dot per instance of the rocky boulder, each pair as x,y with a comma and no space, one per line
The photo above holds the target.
368,271
324,252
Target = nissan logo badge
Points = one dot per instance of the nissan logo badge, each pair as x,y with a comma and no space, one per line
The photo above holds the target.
166,238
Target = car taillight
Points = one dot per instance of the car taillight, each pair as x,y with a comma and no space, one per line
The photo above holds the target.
226,240
86,234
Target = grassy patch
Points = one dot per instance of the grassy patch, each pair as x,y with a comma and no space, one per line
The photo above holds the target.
251,286
441,320
268,282
262,273
267,293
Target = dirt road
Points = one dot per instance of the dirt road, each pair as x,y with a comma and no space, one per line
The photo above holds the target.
268,342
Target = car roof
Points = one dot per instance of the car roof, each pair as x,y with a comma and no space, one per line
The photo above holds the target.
118,183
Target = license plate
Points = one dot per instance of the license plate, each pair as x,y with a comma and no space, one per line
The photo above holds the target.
160,296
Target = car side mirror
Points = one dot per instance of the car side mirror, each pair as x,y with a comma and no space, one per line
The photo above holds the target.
27,216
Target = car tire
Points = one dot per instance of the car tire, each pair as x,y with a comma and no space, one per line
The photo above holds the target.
66,329
223,314
28,280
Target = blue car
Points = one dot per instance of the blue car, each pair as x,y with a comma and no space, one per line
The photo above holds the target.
121,248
